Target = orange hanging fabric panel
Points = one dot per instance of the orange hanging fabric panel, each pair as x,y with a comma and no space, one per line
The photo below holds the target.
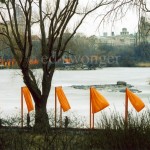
8,63
5,63
62,99
13,62
28,98
36,62
135,100
98,101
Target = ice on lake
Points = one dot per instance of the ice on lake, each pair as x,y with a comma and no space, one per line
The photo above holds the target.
11,83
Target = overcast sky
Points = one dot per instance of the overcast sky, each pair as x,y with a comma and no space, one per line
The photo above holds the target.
91,26
129,21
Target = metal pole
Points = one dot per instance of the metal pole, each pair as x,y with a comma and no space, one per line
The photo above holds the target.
22,107
90,108
60,116
55,107
126,108
93,120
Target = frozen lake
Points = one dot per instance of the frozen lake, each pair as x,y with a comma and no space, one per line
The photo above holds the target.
11,82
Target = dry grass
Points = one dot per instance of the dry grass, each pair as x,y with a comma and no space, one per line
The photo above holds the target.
111,134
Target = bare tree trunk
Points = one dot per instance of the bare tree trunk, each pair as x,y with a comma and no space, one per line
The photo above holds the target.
41,117
40,98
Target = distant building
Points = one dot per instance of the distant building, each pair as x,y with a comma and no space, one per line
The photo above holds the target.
119,40
20,21
112,34
105,34
124,32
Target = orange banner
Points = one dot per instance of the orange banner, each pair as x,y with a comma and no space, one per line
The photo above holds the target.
97,100
13,62
35,62
28,98
5,63
135,100
8,63
62,99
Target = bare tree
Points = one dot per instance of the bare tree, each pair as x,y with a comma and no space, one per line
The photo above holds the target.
57,18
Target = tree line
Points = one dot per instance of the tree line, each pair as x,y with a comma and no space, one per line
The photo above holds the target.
82,46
